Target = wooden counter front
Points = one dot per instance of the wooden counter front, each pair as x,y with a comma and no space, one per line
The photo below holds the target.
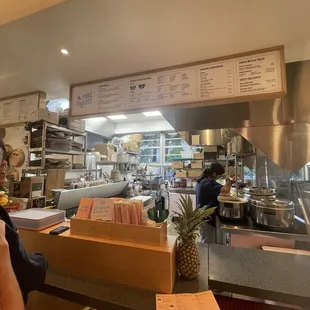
148,267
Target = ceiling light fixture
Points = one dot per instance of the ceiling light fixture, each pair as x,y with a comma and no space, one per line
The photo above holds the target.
114,117
64,51
152,113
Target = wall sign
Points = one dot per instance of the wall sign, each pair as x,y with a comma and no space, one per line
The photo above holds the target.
21,108
249,76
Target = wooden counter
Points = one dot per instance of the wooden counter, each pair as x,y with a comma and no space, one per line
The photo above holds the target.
148,267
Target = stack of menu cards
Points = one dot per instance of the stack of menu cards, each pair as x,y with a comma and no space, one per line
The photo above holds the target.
199,301
37,219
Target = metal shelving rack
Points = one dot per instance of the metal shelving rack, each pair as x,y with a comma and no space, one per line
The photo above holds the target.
46,151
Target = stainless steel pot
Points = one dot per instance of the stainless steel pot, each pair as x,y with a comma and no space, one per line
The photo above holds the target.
233,208
274,214
259,191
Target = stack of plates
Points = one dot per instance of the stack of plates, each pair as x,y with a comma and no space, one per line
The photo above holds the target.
37,219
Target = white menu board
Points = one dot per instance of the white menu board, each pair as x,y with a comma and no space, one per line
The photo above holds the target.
18,109
216,80
168,87
247,77
258,74
99,98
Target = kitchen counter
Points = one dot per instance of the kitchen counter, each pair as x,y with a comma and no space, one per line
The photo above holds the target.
298,234
103,294
255,273
260,274
182,190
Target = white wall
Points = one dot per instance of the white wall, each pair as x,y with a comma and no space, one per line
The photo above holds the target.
146,126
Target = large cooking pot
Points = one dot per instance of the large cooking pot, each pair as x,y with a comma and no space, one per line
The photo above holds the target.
233,208
259,191
273,214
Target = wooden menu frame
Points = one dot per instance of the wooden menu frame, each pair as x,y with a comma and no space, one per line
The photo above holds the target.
194,103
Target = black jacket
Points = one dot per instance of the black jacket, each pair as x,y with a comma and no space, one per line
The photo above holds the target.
30,269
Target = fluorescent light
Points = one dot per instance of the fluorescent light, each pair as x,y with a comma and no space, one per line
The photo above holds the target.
152,113
64,51
117,117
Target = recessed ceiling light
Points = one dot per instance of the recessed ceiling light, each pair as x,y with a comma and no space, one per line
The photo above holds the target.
117,117
64,51
152,113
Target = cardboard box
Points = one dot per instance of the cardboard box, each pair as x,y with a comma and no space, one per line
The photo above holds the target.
196,164
134,147
177,165
72,123
31,187
181,174
104,149
135,138
194,173
198,155
42,114
37,202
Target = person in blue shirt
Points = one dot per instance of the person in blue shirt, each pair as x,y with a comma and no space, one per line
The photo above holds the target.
207,192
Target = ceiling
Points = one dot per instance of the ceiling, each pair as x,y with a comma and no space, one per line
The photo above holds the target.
108,38
15,9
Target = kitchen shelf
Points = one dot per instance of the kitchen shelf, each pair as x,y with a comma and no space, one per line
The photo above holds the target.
52,151
132,153
232,156
43,151
61,129
109,163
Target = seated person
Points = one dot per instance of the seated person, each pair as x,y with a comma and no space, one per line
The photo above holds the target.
29,269
10,294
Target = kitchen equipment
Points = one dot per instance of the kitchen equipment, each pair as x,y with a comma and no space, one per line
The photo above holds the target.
275,214
233,208
115,175
259,191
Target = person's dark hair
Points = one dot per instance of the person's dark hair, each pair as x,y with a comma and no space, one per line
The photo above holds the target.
214,168
2,146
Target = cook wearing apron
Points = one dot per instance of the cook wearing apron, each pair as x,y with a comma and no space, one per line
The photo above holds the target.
208,191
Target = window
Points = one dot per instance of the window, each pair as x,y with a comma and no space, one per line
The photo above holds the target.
173,146
150,148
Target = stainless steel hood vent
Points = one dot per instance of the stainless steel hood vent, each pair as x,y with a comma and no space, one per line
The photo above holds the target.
279,128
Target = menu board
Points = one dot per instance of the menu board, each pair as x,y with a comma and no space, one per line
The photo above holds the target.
245,77
99,98
19,109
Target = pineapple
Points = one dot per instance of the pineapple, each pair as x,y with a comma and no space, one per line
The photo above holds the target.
187,222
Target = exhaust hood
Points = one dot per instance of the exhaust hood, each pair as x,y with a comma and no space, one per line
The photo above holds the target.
279,128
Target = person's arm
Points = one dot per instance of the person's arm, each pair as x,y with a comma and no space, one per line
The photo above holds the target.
10,294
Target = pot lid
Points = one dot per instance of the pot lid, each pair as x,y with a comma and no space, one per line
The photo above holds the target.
259,191
231,199
273,204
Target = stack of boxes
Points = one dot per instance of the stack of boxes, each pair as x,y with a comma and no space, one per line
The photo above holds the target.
26,194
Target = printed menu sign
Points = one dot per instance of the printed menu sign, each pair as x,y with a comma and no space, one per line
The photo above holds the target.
259,74
142,91
19,109
166,88
232,77
217,80
176,87
99,98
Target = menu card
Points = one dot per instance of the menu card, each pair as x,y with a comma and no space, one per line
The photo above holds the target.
102,209
85,208
199,301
